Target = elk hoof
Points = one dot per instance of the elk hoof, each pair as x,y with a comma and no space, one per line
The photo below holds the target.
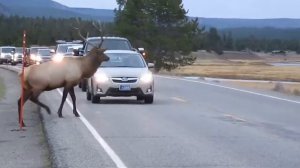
23,124
76,114
48,111
60,115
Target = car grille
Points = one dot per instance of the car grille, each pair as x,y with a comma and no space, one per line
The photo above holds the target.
117,92
8,56
124,80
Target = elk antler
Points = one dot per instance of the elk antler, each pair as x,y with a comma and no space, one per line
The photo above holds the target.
101,33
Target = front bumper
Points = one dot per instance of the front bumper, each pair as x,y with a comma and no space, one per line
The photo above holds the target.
111,88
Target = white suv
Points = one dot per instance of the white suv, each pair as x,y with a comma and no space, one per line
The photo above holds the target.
6,54
125,74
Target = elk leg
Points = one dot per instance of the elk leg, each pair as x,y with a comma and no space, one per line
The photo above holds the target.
27,94
65,93
34,99
73,96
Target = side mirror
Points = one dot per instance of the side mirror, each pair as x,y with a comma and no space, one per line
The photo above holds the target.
150,65
76,52
52,51
141,49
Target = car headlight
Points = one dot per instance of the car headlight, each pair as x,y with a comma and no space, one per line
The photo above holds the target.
147,77
101,78
15,57
58,57
38,58
33,57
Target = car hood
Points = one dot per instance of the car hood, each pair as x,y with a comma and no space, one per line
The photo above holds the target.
122,72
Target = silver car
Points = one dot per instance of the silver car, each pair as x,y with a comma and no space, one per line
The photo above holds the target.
125,74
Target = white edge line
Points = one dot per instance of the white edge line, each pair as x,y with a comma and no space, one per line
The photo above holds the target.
115,158
240,90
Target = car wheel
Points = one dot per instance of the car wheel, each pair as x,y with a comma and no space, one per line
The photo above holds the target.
1,62
149,99
95,99
138,98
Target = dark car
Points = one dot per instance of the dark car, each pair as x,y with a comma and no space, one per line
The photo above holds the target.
43,55
31,57
109,43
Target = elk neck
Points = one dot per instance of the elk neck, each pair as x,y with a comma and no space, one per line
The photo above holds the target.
90,64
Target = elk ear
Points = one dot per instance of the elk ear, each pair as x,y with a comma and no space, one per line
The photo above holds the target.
102,50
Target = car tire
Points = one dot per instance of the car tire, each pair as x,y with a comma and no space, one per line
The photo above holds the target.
148,99
95,99
1,62
138,98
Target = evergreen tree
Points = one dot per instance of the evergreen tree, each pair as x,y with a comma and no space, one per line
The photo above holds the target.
161,27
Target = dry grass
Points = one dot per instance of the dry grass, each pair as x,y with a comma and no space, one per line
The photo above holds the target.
257,72
288,88
243,65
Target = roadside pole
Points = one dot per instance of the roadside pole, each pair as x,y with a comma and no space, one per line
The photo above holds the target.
22,81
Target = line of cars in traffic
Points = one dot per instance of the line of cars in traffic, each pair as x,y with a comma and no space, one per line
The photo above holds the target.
125,74
11,55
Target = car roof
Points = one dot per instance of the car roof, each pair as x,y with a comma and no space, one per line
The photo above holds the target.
7,47
44,49
120,52
107,37
68,44
41,47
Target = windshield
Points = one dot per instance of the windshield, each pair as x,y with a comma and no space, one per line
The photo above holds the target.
45,52
64,48
70,49
19,50
124,60
35,50
110,44
8,50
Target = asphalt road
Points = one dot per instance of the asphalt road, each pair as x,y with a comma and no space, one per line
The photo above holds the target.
192,124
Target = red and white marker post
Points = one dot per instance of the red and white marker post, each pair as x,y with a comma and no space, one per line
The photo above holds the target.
22,80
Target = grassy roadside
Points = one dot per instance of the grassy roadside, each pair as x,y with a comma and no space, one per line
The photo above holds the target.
286,88
2,88
249,72
257,69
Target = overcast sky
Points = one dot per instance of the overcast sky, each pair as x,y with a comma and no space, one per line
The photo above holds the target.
217,8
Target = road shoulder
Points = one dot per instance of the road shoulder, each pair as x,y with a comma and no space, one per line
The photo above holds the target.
20,148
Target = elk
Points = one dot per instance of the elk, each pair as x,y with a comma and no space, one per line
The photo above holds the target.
67,74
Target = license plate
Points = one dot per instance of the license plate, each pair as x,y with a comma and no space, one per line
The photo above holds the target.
124,88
